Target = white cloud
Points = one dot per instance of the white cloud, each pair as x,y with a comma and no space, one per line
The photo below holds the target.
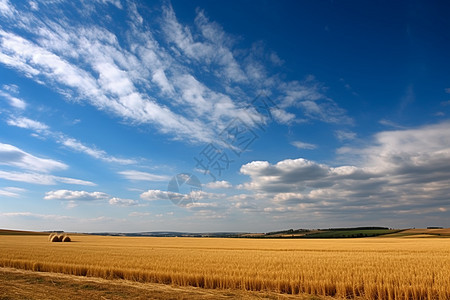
113,91
116,3
403,170
275,59
153,195
36,216
223,184
186,200
85,62
390,124
6,8
26,123
43,179
308,96
68,142
74,197
213,48
282,116
202,205
144,176
410,148
70,195
13,156
11,191
345,135
33,5
96,153
122,202
303,145
13,101
139,214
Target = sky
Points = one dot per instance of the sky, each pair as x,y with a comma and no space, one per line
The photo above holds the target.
201,116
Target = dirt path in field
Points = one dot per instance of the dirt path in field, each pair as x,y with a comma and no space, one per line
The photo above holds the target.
20,284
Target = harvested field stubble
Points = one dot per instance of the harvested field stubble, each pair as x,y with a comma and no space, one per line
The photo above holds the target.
373,268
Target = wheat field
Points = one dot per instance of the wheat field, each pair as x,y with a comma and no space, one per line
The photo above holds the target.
370,268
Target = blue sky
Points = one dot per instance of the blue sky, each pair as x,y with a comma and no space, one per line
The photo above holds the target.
291,114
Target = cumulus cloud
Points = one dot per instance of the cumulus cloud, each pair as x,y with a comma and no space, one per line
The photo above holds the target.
122,202
75,195
153,195
193,199
403,170
222,184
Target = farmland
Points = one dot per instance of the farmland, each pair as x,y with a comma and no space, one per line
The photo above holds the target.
373,268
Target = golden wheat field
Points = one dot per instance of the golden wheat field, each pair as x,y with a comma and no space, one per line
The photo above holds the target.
371,268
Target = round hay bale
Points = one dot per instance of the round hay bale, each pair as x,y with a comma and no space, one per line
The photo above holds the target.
51,236
55,239
66,239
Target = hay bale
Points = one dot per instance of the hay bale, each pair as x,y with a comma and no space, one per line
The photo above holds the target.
51,236
66,239
55,239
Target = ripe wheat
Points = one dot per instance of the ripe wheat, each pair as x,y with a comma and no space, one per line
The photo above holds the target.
372,268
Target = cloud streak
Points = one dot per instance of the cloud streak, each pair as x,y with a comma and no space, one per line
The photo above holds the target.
66,141
13,156
41,179
142,176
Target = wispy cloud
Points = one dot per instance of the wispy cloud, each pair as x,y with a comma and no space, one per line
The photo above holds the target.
152,77
43,179
143,176
96,153
345,135
36,215
13,156
6,9
391,124
66,141
139,214
303,145
11,191
37,169
26,123
13,101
